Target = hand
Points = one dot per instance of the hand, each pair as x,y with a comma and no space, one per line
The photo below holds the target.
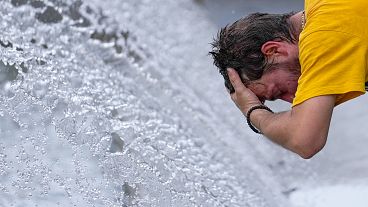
243,97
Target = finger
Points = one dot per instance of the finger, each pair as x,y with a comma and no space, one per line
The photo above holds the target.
235,79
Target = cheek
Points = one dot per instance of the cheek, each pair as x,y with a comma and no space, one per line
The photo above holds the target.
258,93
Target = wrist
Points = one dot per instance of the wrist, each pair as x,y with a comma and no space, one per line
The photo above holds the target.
249,112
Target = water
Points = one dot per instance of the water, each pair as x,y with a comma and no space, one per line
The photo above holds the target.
117,104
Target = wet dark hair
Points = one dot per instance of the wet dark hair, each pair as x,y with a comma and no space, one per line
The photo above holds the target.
239,44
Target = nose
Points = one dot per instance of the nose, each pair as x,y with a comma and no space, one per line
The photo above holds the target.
272,93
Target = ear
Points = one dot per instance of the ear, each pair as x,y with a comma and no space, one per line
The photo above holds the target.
274,49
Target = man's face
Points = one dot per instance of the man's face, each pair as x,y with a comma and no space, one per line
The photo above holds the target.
280,83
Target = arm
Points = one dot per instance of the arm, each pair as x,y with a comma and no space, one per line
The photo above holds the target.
303,129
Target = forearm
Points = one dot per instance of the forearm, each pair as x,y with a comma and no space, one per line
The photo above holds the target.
290,130
275,126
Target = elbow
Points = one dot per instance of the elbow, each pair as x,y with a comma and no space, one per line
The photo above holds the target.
308,147
308,153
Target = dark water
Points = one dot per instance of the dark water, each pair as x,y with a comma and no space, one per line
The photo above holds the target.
223,12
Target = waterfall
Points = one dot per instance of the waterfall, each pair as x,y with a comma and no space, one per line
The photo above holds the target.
116,103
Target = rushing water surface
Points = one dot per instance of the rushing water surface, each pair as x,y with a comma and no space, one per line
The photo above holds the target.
116,103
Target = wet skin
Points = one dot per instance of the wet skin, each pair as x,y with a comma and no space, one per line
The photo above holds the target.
276,84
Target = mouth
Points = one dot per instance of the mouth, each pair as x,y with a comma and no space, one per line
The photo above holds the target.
289,98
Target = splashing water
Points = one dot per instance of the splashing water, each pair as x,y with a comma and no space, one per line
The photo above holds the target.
115,103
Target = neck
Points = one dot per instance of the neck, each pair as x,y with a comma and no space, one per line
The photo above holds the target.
296,23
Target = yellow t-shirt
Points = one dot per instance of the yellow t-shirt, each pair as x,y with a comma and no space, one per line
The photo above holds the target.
333,50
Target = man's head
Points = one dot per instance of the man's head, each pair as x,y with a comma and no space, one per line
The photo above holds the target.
256,46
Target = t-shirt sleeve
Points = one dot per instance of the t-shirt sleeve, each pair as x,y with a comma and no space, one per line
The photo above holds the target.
331,63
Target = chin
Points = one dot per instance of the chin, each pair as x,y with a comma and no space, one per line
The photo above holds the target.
290,100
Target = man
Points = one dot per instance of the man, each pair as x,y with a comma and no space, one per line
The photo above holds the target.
315,60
